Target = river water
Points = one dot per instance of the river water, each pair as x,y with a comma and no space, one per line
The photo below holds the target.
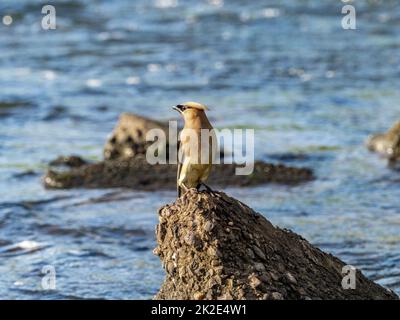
311,90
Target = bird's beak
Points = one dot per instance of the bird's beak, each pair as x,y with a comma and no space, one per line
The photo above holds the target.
177,108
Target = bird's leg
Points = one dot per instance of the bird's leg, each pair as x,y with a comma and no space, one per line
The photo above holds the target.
205,186
392,163
183,187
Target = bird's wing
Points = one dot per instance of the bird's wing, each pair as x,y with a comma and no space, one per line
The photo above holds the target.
183,157
178,172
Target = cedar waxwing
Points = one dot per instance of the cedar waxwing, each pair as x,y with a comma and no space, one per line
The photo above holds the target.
196,152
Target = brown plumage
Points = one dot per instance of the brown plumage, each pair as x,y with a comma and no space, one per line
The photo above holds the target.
195,156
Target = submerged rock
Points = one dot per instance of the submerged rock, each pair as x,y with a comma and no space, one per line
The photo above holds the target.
386,144
137,173
214,247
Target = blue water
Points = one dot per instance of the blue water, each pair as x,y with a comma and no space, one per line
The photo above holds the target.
312,91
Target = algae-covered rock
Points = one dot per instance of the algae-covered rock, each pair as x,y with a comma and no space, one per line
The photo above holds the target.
138,174
214,247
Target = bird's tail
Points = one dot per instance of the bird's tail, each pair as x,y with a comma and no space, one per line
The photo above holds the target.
179,190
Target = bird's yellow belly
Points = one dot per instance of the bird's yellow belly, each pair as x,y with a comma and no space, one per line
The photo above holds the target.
193,174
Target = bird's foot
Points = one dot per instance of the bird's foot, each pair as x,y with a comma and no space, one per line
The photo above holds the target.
206,187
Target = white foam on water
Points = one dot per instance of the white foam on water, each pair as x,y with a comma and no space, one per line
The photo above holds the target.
94,83
28,245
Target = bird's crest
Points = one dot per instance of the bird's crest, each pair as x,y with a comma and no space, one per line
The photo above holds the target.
195,105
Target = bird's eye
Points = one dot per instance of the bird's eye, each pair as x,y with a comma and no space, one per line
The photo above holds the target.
181,107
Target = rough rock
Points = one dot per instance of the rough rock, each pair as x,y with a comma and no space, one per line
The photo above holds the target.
72,161
386,144
215,247
128,138
138,174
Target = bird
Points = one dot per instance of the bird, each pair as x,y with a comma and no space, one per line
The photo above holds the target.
195,155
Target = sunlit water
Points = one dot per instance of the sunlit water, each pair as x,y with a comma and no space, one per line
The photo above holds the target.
312,91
